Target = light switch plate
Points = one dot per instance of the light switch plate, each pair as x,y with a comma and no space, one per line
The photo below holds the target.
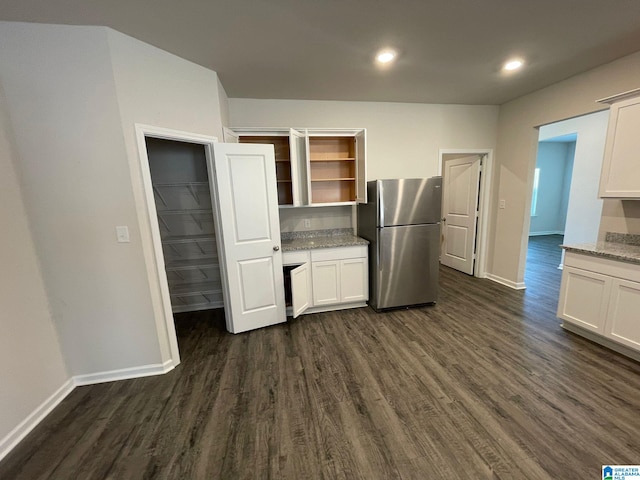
122,234
503,203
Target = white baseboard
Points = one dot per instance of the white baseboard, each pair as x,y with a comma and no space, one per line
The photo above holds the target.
505,282
14,437
34,418
124,373
551,232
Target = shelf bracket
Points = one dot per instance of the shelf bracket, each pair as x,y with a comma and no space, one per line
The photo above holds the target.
157,192
180,276
194,194
202,250
204,274
164,223
196,221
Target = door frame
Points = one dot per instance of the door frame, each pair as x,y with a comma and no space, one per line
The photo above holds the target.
147,219
480,265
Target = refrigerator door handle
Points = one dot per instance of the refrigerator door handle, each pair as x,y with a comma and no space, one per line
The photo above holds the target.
380,206
379,255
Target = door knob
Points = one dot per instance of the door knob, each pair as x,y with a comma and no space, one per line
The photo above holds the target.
444,219
276,248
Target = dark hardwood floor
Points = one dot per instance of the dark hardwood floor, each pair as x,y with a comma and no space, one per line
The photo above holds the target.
483,385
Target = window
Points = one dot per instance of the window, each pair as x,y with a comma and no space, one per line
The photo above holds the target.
534,196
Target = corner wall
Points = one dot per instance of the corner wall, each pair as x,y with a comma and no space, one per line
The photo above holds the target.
73,96
516,152
32,367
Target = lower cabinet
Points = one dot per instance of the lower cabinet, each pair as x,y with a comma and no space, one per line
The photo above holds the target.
338,279
601,296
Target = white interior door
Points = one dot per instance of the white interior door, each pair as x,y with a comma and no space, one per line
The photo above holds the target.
247,199
461,185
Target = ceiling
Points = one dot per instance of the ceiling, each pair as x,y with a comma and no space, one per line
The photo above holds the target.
449,51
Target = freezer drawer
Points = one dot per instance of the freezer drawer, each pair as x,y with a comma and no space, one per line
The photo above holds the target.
405,266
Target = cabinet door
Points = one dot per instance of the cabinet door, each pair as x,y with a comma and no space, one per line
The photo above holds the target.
326,282
361,167
623,318
584,298
620,173
301,289
297,155
354,281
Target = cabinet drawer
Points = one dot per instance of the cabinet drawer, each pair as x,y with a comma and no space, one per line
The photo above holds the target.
295,258
325,254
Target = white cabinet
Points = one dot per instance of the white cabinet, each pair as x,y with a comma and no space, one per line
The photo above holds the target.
326,282
601,297
620,173
317,167
290,147
623,317
584,298
338,278
336,166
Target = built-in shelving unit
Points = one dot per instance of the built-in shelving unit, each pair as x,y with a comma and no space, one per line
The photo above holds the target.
332,172
185,217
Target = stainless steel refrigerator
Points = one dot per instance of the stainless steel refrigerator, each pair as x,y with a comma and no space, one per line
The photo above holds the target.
402,223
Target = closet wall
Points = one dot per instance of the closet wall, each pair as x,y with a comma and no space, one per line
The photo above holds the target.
185,217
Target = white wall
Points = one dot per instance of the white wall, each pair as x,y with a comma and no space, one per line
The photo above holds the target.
552,161
156,88
32,367
584,207
516,152
62,102
74,94
403,139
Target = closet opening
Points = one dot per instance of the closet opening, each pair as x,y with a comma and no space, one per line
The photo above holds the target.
186,220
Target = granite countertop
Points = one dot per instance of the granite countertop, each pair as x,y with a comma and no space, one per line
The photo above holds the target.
340,237
616,246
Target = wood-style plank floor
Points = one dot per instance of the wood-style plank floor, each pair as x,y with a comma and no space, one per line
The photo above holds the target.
483,385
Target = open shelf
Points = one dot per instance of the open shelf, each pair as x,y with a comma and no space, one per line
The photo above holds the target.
332,169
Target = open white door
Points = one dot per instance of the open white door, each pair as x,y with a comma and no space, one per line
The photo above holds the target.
297,150
461,184
245,180
301,289
361,167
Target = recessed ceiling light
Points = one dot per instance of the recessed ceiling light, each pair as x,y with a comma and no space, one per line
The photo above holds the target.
514,64
385,56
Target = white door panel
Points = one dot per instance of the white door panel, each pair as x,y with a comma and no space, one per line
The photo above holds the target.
301,289
245,180
461,184
249,186
256,279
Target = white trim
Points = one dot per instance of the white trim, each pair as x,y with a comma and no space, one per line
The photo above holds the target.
148,220
124,373
505,282
550,232
16,435
480,266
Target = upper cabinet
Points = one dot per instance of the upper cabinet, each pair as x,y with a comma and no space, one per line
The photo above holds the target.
314,166
289,146
620,173
336,165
